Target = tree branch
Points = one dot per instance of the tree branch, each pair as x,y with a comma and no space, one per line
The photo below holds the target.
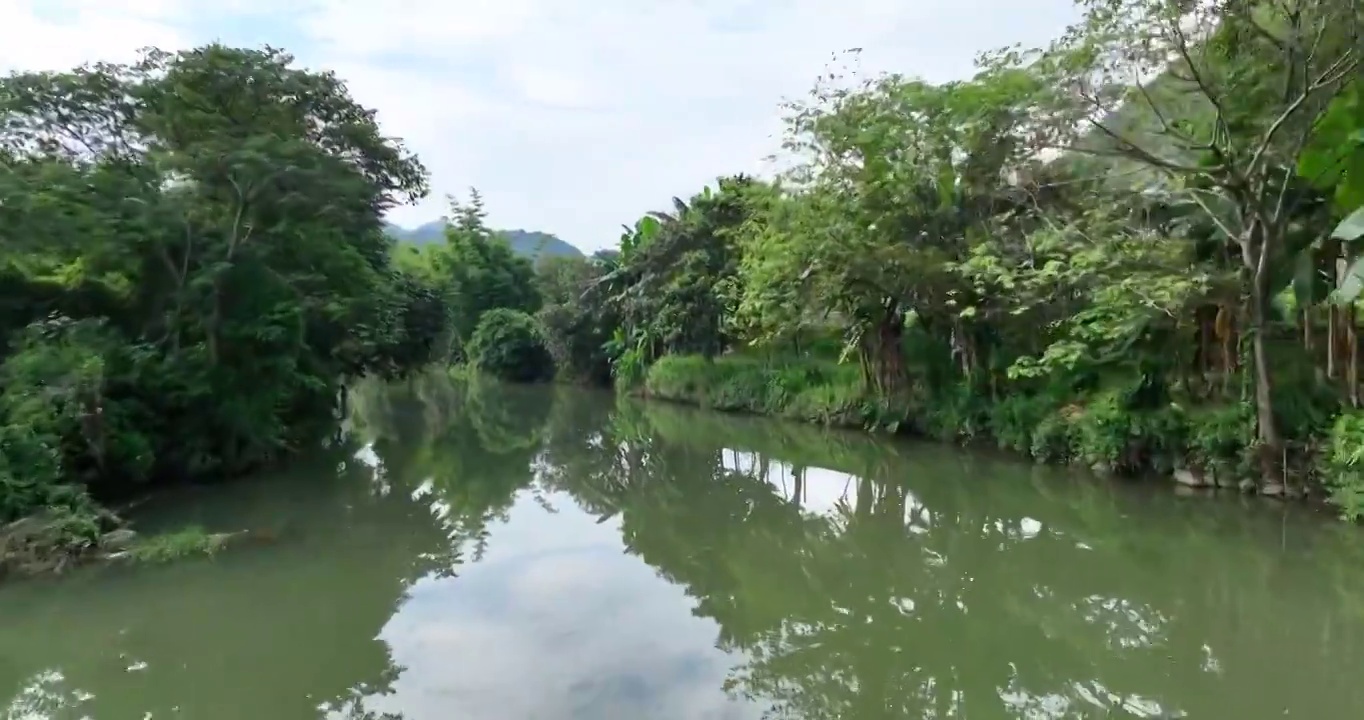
1193,192
1167,129
1132,150
1341,68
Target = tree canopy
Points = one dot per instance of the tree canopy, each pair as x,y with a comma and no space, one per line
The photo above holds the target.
176,231
1133,246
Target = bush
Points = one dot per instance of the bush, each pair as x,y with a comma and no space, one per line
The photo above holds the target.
1344,464
509,345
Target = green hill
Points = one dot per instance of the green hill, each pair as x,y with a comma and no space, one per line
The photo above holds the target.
529,243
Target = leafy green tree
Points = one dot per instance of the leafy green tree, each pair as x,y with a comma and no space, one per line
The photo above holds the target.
421,327
897,177
480,271
196,242
576,320
508,344
1334,156
561,279
674,284
1228,96
1134,247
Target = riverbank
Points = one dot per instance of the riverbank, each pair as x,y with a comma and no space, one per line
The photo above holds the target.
1204,447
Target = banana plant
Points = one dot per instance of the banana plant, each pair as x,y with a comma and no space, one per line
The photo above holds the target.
1333,162
637,237
1350,231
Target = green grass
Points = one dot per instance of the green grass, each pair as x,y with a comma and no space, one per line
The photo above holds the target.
815,391
1096,430
178,545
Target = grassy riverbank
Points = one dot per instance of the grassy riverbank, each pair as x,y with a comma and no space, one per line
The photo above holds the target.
1195,445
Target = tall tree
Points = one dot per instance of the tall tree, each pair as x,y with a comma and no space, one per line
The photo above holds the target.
480,270
196,239
1227,94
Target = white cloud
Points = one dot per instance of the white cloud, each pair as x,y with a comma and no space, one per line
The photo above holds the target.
85,31
571,116
627,646
417,26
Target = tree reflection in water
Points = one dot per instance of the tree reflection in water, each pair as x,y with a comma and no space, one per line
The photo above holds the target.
290,628
847,576
930,585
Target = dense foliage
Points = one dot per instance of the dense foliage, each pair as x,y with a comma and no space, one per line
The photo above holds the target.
193,264
1133,248
508,344
475,270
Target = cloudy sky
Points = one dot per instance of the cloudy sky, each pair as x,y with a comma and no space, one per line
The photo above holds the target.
571,116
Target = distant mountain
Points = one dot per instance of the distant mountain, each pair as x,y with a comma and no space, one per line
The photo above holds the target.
534,244
420,235
530,243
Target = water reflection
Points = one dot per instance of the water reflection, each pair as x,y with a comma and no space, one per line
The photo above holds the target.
281,629
499,552
899,581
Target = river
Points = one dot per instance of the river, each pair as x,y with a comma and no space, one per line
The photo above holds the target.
482,551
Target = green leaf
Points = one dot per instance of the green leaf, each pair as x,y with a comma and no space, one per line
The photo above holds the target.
647,229
1351,228
1353,283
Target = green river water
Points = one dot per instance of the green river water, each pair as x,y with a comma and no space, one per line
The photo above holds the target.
488,552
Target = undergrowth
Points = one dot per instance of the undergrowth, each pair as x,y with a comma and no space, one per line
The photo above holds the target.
1116,429
811,391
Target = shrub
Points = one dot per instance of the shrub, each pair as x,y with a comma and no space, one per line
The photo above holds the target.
1344,464
809,390
509,345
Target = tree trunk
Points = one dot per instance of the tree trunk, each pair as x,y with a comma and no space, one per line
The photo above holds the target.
1352,340
1205,362
1255,252
1332,322
1225,326
890,357
1271,444
882,353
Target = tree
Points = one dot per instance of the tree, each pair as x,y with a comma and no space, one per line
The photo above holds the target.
576,320
1227,94
508,344
480,271
674,283
561,279
216,213
897,178
1334,156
